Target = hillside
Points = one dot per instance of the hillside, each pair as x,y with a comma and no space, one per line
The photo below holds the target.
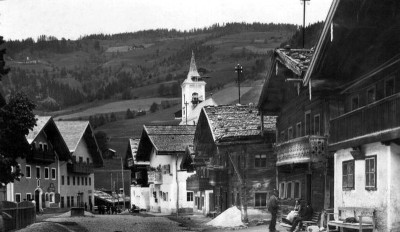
145,64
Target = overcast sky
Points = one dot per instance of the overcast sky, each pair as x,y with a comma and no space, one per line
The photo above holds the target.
73,18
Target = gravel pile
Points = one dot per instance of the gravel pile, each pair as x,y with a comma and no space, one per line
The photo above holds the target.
45,227
229,218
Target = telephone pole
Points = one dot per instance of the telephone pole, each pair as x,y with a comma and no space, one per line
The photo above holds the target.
304,19
239,70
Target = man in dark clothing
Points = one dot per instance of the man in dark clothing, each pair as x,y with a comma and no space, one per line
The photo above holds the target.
305,214
273,206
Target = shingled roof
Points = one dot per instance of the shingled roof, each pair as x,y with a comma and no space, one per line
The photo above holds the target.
41,122
74,131
296,60
166,139
236,122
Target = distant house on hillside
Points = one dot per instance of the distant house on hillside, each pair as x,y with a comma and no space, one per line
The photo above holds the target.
77,176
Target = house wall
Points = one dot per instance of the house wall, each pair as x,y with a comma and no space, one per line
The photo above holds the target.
394,186
169,185
82,151
360,197
140,196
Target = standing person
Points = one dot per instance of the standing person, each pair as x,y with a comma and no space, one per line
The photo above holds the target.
273,206
90,206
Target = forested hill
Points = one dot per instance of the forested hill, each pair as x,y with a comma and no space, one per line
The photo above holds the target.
59,73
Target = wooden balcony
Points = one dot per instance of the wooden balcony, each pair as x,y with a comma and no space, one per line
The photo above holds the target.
196,183
379,121
40,156
154,177
81,168
305,149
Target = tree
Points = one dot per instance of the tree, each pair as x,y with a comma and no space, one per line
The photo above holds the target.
153,107
16,119
3,69
102,140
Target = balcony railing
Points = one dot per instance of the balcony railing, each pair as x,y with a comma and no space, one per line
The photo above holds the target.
81,168
301,150
353,128
196,183
154,177
40,156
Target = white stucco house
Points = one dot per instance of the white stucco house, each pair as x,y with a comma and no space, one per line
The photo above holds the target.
164,148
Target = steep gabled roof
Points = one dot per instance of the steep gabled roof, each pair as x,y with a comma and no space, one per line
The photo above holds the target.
166,140
236,122
74,131
41,122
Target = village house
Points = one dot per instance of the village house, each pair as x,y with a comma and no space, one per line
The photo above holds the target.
140,191
41,168
304,168
357,61
77,175
164,148
233,159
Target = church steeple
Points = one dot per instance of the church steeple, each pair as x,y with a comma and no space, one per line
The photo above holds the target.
193,70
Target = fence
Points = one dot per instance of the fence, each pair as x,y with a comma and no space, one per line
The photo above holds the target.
23,214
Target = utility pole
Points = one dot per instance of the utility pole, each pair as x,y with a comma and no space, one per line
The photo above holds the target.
123,186
304,20
239,70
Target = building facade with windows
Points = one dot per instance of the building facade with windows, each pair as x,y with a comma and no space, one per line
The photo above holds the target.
41,167
233,159
164,148
363,73
77,175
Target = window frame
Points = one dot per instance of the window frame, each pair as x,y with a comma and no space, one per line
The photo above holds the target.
375,173
294,188
282,136
351,102
55,173
290,133
29,196
289,196
307,128
261,202
319,124
347,188
282,190
189,196
26,172
298,130
48,173
394,86
18,194
62,180
258,160
374,91
40,172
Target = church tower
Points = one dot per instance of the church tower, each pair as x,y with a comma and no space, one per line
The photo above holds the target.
193,91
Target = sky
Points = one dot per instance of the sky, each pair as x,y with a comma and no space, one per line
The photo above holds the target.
20,19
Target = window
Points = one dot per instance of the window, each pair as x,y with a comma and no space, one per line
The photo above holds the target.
62,180
85,180
282,136
90,181
29,197
46,173
77,180
87,161
68,202
297,190
72,202
298,129
354,102
53,173
317,124
73,180
289,190
307,125
282,190
18,197
370,173
389,87
45,147
189,196
51,195
290,133
41,146
80,159
370,95
28,171
37,172
260,199
348,175
260,161
67,180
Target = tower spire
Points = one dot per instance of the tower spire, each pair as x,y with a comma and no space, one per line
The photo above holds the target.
192,69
